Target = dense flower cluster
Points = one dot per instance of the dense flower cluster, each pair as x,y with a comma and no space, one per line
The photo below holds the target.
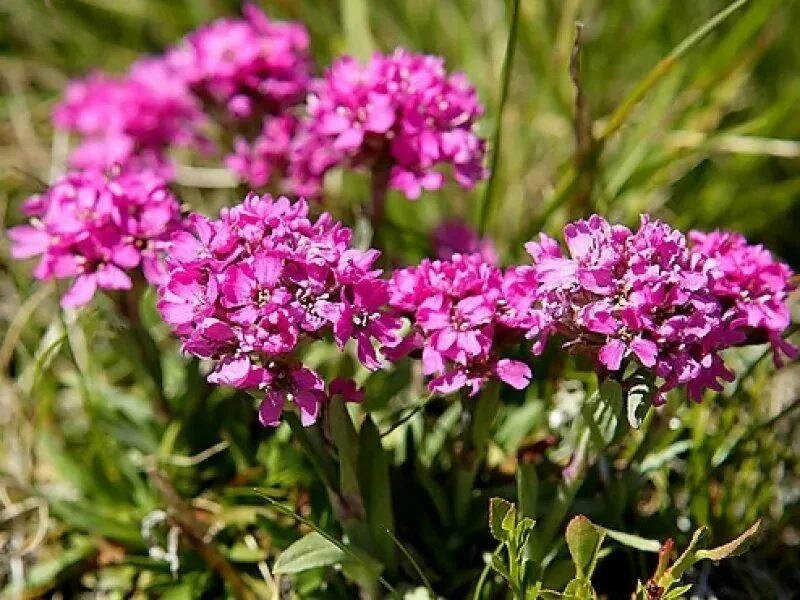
248,67
456,237
248,289
95,227
132,119
464,312
619,294
402,113
751,286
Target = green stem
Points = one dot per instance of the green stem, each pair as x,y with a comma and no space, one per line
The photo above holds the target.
508,60
664,66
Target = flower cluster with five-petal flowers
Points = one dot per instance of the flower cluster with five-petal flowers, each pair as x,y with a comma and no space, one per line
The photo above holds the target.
97,226
131,119
252,288
646,295
400,112
465,314
752,287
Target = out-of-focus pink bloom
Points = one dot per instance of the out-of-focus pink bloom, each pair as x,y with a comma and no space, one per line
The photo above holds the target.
402,112
248,67
464,312
456,237
95,227
131,119
252,287
261,160
752,287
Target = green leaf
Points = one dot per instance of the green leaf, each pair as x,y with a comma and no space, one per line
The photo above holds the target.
373,477
601,411
499,567
735,547
584,540
527,489
634,541
309,552
678,592
689,556
498,510
578,589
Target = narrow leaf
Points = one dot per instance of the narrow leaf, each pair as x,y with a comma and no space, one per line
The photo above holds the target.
373,476
309,552
634,541
733,548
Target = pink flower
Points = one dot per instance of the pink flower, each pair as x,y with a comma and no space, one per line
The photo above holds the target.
250,288
249,67
464,313
752,287
402,110
620,295
97,227
132,119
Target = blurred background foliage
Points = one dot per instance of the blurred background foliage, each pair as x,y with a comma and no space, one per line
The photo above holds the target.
713,144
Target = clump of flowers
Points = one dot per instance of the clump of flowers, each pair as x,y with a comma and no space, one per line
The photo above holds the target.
95,227
619,295
131,119
251,288
464,313
456,237
248,67
751,285
401,113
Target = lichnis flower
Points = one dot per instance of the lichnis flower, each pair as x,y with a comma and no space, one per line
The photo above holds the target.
455,237
251,288
95,227
248,67
130,120
464,313
641,295
752,287
401,112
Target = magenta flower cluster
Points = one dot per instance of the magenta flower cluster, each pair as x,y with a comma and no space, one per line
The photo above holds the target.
752,287
251,288
132,119
400,113
464,312
95,227
248,67
647,296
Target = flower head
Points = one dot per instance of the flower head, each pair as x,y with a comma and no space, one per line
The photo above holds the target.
132,119
644,295
403,111
463,311
253,287
248,67
751,285
95,227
